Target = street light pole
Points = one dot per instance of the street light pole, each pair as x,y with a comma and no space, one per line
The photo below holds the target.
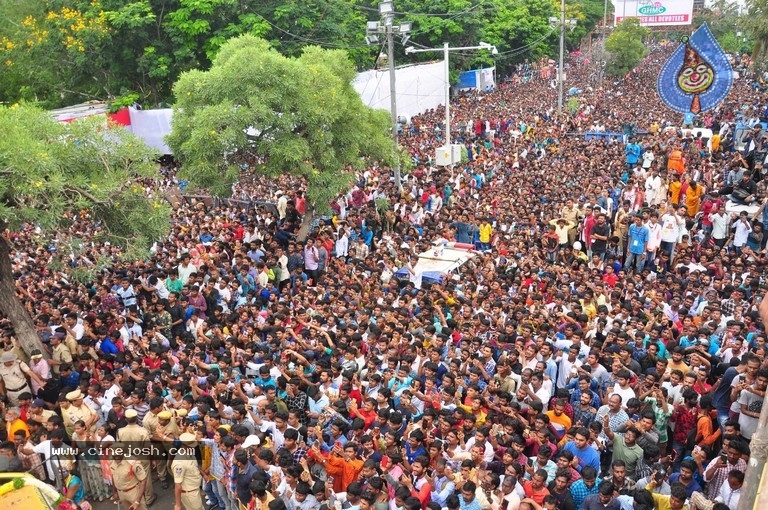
446,49
447,134
562,59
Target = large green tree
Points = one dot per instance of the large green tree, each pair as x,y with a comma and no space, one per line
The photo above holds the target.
50,170
756,24
625,47
727,24
297,116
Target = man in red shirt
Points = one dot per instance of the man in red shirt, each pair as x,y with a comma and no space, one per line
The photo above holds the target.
610,278
536,487
152,360
417,482
684,417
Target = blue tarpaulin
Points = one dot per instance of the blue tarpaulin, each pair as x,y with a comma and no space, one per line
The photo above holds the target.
467,80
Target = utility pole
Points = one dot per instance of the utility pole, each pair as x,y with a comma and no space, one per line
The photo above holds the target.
446,49
602,45
386,27
562,61
393,102
562,22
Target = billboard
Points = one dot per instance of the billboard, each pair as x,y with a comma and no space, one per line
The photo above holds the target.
654,13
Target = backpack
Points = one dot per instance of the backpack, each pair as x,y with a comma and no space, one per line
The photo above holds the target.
690,440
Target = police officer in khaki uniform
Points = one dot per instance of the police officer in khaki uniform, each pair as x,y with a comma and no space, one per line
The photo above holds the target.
136,436
151,422
60,354
129,479
187,476
166,431
78,410
13,376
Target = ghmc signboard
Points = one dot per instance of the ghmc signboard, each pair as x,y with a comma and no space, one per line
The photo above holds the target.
654,13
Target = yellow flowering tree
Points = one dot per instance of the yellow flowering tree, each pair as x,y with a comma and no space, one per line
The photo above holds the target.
49,52
69,51
51,170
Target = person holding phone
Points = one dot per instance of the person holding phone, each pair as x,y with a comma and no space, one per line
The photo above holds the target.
729,459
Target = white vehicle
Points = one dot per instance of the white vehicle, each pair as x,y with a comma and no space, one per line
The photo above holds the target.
733,207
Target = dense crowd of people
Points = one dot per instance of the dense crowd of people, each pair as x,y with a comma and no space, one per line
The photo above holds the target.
604,349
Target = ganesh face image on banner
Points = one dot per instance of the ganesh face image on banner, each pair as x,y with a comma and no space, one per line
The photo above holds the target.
697,76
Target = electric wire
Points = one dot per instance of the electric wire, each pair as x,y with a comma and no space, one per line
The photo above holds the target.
332,45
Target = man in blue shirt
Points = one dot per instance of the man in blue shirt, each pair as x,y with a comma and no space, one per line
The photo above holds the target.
632,150
467,498
685,477
583,454
69,378
586,486
638,236
108,346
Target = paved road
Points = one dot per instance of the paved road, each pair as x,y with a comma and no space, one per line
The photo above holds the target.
164,500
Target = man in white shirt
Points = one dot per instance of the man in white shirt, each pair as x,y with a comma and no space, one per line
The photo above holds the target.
224,292
158,287
74,326
654,238
282,205
648,159
567,365
185,268
480,439
652,186
342,243
57,456
671,223
729,493
742,228
415,273
623,388
719,226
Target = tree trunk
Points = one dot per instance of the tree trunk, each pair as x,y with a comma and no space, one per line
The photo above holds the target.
11,306
306,222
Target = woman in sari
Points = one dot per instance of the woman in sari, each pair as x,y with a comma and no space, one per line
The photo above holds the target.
73,490
91,477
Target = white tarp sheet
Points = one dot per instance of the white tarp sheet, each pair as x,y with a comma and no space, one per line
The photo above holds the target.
419,88
152,126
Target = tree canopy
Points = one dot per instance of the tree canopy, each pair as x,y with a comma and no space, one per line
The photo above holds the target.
625,47
756,23
52,172
258,108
